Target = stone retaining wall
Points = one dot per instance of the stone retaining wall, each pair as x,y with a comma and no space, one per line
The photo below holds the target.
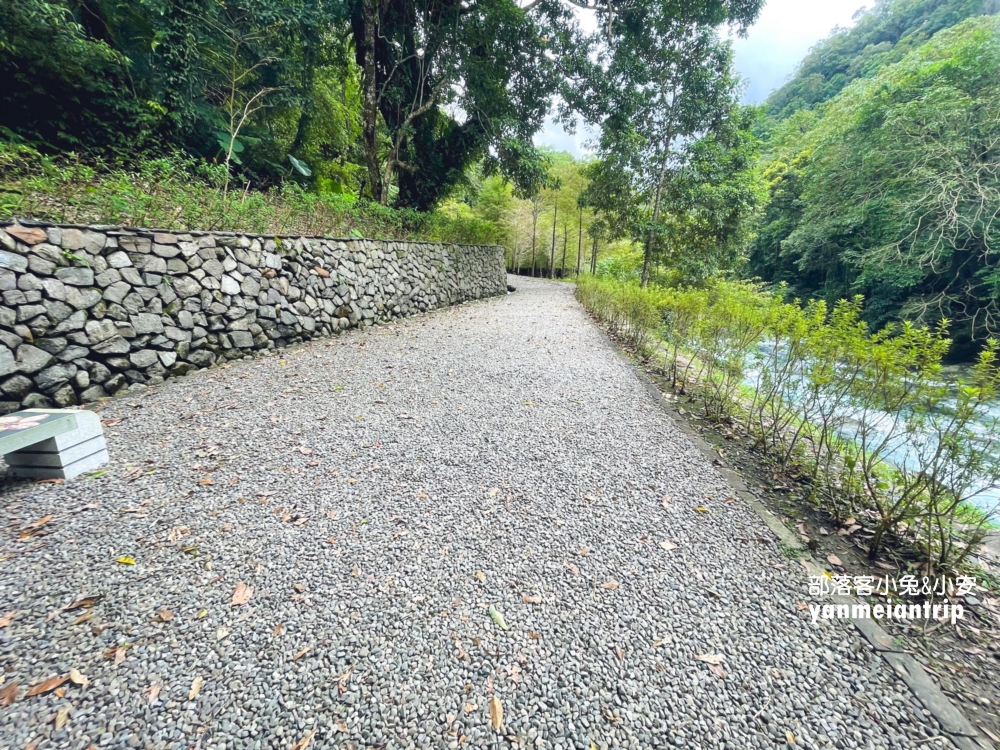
88,311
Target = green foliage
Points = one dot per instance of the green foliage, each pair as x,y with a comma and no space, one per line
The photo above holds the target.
62,86
676,155
892,191
883,35
864,415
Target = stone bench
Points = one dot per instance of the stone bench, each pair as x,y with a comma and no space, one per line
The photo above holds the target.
52,443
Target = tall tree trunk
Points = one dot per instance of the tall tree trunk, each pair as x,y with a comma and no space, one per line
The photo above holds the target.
593,258
370,114
534,233
647,255
579,242
562,271
552,250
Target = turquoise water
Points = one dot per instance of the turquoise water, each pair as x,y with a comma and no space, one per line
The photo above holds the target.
904,450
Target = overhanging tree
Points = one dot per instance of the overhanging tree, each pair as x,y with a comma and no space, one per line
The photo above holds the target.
678,85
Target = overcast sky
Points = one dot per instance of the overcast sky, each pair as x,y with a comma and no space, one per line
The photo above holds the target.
773,48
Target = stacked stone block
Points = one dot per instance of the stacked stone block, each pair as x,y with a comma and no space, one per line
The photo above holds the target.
88,311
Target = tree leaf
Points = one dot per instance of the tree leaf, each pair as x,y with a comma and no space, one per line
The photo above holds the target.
8,693
242,594
498,618
126,560
304,742
78,678
300,166
496,713
610,585
195,688
531,599
46,686
62,715
709,658
8,618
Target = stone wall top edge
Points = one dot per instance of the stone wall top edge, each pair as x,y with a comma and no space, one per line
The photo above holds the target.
219,233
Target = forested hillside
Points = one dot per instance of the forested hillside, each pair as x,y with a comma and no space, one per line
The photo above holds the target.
882,35
891,188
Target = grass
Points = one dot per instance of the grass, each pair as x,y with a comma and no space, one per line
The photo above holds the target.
179,193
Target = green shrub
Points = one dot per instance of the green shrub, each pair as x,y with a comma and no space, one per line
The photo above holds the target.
864,415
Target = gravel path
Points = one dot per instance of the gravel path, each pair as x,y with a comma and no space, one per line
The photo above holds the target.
379,491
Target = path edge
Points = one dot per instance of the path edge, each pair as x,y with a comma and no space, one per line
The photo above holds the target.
953,722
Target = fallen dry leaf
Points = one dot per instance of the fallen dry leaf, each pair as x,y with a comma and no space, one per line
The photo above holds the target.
32,528
195,688
469,707
304,742
153,692
834,560
668,546
619,653
610,585
990,734
8,618
120,654
8,693
78,678
62,715
302,652
531,599
709,658
789,737
278,629
584,551
46,686
242,594
496,713
165,615
480,576
717,671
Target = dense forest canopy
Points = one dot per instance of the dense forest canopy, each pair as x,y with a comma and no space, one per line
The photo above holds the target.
884,181
391,99
882,35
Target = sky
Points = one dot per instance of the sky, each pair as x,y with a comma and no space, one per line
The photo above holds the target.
770,53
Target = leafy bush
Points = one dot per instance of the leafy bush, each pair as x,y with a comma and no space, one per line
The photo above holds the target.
865,417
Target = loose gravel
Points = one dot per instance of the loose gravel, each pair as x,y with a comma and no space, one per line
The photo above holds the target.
378,492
